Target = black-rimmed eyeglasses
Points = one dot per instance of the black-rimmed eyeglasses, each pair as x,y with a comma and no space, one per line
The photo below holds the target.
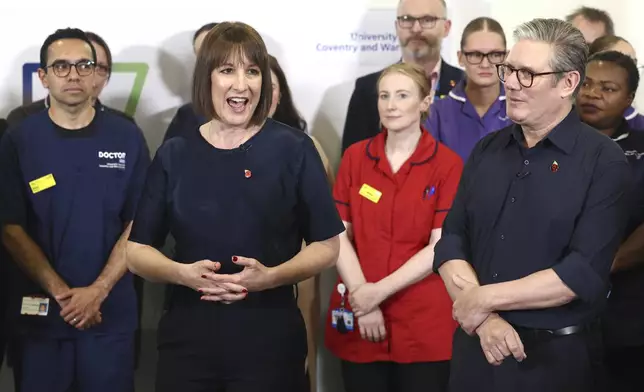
524,76
426,22
62,68
475,57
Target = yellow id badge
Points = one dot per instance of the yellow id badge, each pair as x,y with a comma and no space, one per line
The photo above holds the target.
34,306
42,183
370,193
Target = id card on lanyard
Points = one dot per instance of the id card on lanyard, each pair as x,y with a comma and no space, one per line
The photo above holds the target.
341,318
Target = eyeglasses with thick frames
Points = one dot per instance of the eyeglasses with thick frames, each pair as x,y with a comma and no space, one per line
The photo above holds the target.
62,68
475,57
524,76
426,22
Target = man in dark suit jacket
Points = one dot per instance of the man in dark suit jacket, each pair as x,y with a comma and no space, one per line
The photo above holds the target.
421,26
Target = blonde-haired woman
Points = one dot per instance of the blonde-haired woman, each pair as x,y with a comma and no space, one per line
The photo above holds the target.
390,318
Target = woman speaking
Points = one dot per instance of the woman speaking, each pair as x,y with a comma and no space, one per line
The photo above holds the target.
239,194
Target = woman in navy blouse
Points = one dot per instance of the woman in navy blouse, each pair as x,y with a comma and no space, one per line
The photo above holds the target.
238,196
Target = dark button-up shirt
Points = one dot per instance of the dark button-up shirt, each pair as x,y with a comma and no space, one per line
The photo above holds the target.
559,205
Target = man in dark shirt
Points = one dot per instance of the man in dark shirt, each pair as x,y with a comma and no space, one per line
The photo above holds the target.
71,179
421,26
186,117
102,74
611,83
527,247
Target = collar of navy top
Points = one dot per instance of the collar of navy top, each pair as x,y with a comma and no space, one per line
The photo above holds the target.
458,92
563,135
622,132
630,113
426,141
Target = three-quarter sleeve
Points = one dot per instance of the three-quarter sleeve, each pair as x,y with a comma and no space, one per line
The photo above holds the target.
342,187
151,223
454,243
13,200
317,215
137,180
447,189
598,233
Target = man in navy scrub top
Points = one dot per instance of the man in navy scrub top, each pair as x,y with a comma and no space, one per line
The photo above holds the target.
71,179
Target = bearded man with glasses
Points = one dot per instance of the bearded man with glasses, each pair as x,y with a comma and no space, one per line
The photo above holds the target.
421,26
528,244
71,176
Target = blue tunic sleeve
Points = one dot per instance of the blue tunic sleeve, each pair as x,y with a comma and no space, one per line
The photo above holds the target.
12,197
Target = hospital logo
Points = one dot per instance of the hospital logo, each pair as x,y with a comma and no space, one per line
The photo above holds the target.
111,160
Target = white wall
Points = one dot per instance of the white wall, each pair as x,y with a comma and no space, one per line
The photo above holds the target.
145,31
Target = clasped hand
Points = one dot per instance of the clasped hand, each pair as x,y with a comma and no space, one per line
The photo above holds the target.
469,307
500,340
203,277
81,306
366,298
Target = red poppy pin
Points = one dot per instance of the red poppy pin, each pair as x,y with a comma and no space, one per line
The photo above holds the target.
247,173
554,167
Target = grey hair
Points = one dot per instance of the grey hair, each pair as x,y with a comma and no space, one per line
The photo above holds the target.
569,48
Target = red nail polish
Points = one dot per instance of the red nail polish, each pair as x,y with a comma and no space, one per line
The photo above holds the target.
244,291
234,258
204,276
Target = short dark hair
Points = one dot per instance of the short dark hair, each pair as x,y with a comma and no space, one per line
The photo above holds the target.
594,15
285,112
223,43
205,28
623,61
93,37
601,44
68,33
482,24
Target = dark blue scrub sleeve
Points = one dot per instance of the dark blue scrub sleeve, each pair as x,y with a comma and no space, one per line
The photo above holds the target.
12,196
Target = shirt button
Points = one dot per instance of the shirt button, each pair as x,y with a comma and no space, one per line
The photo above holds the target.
512,200
526,162
502,236
495,275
